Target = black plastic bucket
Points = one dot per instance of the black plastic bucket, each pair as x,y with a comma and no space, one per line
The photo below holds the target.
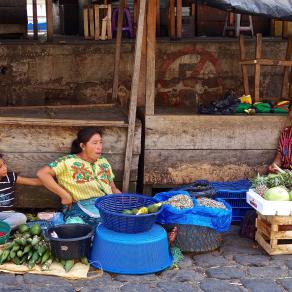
73,242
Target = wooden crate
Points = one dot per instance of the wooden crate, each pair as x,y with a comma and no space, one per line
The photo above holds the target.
97,22
274,234
281,28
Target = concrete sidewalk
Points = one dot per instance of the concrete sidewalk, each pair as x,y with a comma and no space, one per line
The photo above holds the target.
238,266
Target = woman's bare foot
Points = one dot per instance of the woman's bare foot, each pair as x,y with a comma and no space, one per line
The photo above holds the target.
172,236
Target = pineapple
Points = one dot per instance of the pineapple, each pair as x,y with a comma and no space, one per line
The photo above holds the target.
259,180
261,190
260,184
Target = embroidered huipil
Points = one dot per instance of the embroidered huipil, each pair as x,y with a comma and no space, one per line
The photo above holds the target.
82,179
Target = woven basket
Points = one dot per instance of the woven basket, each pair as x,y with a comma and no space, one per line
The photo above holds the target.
191,238
111,207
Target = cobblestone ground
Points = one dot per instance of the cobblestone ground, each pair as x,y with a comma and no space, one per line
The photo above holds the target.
238,266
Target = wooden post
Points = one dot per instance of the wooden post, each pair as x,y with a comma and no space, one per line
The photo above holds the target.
96,22
49,16
86,23
35,19
257,76
286,78
150,63
243,67
133,96
172,19
91,22
118,50
178,19
109,22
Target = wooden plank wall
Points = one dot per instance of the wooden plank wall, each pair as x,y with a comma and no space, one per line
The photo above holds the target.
27,148
13,17
181,149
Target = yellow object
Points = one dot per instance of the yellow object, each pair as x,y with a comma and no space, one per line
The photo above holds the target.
142,211
250,111
283,102
82,179
246,99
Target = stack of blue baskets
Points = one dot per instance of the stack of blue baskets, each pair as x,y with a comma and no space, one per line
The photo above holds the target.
129,244
235,194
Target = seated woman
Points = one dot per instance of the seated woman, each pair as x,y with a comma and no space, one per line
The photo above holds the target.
283,157
82,176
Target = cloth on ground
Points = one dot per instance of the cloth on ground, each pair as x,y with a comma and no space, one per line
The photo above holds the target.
79,271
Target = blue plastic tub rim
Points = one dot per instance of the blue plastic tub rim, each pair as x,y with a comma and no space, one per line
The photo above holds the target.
98,200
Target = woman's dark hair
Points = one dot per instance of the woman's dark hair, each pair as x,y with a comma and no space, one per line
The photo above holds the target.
83,136
290,105
1,156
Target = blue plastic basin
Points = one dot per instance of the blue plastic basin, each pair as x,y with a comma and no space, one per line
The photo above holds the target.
124,253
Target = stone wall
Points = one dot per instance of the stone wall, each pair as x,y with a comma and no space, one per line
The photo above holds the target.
75,73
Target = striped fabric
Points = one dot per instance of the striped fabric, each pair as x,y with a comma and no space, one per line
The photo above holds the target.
7,189
83,180
285,148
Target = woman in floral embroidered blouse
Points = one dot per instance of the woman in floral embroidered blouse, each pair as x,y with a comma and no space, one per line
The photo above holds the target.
82,175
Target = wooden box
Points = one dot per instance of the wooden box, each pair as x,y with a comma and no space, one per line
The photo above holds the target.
281,28
274,234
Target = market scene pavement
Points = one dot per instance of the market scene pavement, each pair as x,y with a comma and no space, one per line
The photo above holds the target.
239,265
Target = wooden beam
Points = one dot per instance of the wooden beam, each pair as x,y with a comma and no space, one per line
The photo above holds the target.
49,16
118,51
257,76
178,19
172,19
133,96
86,23
91,22
150,63
243,67
109,22
286,71
35,19
96,22
267,62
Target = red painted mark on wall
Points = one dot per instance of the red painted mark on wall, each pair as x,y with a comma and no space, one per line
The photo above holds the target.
187,74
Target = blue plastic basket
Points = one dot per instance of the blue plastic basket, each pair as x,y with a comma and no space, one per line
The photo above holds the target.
234,193
111,206
195,192
122,253
44,224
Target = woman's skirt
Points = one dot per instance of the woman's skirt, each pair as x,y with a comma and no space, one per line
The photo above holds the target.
84,210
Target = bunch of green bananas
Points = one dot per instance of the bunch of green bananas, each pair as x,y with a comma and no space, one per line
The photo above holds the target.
28,247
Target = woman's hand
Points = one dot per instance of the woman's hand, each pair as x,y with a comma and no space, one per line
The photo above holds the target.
272,168
67,200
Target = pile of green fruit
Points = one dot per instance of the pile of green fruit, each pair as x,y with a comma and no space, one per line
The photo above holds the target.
143,210
69,264
28,247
